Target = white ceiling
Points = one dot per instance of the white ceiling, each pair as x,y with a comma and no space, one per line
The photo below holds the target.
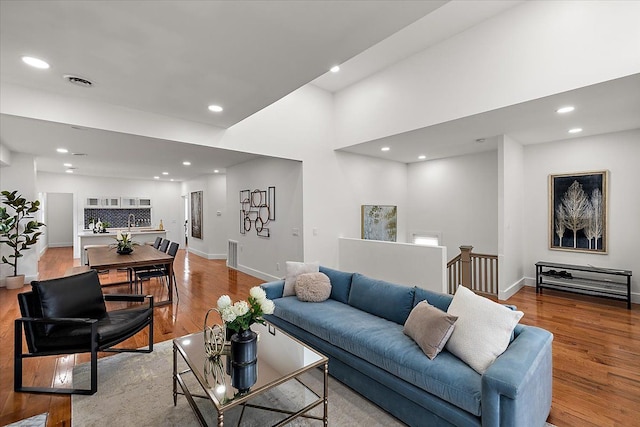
174,58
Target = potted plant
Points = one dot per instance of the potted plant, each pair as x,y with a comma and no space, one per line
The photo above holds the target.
16,233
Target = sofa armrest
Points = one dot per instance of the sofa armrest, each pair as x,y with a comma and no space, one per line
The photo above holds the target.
516,389
274,289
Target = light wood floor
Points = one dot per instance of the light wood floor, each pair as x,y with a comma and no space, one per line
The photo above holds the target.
596,351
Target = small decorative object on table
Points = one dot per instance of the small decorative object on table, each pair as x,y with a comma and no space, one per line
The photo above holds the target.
239,317
214,337
124,243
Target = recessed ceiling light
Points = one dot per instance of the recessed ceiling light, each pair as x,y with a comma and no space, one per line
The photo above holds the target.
69,171
62,150
216,171
156,177
35,62
215,108
67,165
385,149
171,180
186,163
335,69
566,109
165,173
575,130
422,157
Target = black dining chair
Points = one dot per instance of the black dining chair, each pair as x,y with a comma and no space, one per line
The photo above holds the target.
157,242
69,315
162,272
164,245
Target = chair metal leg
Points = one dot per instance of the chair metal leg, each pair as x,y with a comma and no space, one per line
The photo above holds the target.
19,356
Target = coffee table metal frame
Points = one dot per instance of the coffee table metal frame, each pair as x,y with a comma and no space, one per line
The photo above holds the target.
243,400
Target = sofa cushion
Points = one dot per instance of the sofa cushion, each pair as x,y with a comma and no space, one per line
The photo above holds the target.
382,343
429,327
483,329
313,287
78,296
436,299
340,283
294,269
387,300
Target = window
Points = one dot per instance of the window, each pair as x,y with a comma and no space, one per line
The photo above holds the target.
426,239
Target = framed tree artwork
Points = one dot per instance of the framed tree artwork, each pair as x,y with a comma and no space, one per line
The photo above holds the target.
196,214
578,212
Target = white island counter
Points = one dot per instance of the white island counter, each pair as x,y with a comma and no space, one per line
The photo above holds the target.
138,235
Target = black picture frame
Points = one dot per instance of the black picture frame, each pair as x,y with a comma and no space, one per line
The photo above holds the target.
578,212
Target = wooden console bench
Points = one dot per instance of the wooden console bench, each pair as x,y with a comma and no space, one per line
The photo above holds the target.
602,282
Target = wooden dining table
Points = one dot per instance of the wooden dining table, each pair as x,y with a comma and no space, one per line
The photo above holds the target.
106,258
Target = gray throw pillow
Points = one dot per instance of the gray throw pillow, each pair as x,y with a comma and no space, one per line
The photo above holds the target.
429,327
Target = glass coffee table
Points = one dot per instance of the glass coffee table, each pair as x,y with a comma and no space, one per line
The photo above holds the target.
282,389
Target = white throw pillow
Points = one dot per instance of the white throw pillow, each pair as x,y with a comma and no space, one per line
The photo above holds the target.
482,331
294,269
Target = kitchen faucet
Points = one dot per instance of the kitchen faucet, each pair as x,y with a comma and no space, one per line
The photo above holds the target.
129,221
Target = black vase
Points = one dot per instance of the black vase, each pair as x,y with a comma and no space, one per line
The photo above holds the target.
244,358
124,251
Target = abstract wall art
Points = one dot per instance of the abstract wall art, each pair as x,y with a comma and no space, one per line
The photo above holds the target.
196,214
379,222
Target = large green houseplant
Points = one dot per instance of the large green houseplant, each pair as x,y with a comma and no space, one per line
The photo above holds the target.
17,233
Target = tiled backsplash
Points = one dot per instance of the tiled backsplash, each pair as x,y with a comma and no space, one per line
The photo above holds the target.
117,218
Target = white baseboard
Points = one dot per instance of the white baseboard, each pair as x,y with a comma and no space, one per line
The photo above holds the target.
511,290
206,255
259,274
60,245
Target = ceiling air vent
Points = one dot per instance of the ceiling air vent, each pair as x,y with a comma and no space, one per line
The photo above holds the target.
78,81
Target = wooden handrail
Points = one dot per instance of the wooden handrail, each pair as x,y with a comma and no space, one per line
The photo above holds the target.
478,272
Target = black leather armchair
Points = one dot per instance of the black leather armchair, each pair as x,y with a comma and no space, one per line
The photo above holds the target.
68,315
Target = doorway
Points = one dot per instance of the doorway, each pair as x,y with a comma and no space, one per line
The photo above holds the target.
59,220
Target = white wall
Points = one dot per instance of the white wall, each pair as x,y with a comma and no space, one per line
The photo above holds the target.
300,126
265,257
59,219
165,197
530,51
510,217
213,244
20,175
457,197
617,152
403,263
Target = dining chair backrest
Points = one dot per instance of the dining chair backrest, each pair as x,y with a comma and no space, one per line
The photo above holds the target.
156,244
164,245
173,249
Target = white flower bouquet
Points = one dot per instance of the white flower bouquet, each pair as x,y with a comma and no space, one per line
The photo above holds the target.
242,314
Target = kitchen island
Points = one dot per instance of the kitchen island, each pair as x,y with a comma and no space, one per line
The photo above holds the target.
138,235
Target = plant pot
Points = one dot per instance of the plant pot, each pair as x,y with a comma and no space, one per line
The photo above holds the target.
14,282
124,251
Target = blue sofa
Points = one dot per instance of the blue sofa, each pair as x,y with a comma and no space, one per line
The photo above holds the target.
360,329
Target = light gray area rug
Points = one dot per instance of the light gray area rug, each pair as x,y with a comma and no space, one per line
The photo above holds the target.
39,420
136,390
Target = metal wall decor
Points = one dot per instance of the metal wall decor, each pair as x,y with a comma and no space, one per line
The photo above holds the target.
257,208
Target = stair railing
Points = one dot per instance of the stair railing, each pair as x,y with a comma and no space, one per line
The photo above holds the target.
478,272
